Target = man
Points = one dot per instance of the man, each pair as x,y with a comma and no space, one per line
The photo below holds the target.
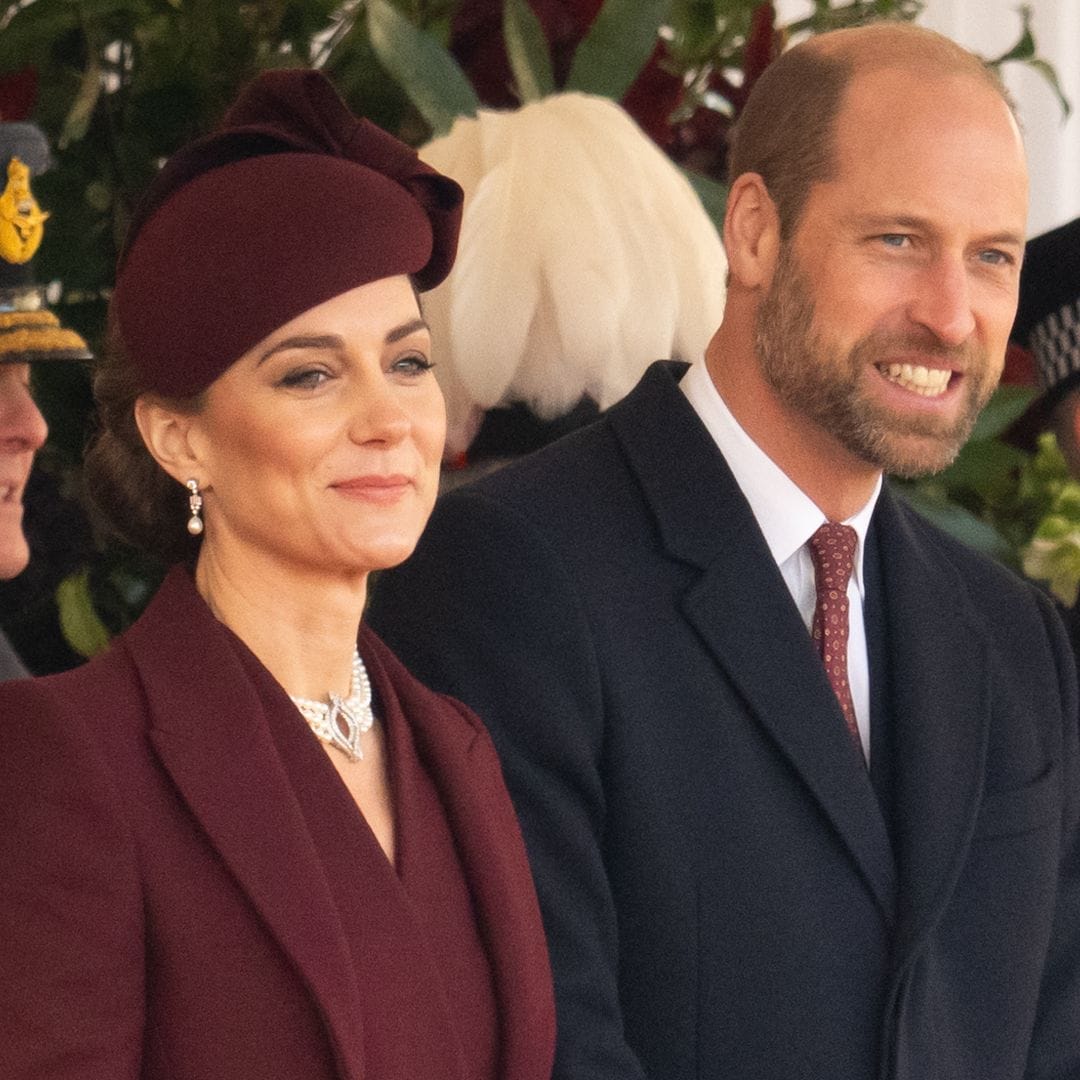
28,333
754,863
22,433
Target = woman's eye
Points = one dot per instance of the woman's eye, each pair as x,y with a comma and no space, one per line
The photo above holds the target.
894,240
413,364
304,379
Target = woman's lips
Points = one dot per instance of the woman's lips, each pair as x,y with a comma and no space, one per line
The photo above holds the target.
375,488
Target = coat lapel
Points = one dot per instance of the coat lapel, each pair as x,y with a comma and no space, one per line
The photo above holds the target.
209,729
759,639
462,762
940,710
743,613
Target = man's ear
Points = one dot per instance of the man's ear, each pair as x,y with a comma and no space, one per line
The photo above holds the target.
167,434
751,232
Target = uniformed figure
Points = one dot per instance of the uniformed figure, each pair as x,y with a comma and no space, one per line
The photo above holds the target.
29,332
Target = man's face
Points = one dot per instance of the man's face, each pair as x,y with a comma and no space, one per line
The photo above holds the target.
887,317
22,432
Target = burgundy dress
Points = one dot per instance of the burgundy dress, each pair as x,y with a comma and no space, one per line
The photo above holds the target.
189,892
422,970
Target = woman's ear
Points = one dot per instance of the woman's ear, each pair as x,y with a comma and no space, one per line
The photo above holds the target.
167,434
751,232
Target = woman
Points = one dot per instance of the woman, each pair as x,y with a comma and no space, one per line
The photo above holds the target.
239,845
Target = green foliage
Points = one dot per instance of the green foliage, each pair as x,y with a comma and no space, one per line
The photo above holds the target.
79,622
617,46
124,83
713,195
1053,553
427,72
1024,52
998,498
933,502
527,50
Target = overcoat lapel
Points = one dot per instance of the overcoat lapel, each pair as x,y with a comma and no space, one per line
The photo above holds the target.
462,762
940,709
744,614
209,729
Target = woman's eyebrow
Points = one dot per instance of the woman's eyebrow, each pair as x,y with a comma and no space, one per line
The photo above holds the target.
405,330
335,341
325,341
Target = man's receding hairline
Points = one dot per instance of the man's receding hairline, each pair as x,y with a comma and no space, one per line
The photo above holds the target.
903,47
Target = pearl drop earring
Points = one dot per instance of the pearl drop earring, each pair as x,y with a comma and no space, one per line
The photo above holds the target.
195,522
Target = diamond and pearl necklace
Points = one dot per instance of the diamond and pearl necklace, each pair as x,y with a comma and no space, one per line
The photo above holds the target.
342,721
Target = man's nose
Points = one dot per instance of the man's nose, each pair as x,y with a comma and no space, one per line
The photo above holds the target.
22,427
943,301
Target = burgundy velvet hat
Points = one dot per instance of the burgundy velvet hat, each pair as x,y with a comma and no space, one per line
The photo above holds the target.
292,201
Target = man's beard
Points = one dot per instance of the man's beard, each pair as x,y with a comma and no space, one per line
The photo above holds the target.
827,386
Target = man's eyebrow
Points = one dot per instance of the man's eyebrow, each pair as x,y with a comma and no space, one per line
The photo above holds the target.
1005,238
886,223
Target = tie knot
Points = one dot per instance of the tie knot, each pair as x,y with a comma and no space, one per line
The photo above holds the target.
832,550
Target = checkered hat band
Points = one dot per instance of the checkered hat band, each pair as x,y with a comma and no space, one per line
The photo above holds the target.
1055,342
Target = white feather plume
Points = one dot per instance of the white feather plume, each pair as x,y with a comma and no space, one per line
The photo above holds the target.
584,255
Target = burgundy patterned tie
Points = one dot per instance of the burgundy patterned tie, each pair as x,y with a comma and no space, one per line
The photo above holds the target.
832,549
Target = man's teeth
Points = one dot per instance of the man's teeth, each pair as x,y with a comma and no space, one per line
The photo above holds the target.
930,382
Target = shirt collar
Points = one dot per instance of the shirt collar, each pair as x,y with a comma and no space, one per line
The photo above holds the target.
786,515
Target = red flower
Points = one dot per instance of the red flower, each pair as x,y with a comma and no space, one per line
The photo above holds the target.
477,43
699,142
653,97
18,93
763,45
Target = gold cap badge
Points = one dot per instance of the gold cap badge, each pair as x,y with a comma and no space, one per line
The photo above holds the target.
22,222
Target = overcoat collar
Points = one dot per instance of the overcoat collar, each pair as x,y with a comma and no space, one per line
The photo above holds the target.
744,614
208,698
208,726
468,777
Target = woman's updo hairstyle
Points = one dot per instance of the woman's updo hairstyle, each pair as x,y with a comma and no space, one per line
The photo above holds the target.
291,202
130,496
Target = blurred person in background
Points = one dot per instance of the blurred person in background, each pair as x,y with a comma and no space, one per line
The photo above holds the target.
1047,332
29,333
22,434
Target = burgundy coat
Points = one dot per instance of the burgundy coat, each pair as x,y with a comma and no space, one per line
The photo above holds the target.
163,914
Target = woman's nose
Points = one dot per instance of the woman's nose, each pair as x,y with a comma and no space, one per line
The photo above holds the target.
379,415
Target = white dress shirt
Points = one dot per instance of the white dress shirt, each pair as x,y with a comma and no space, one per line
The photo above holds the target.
788,518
